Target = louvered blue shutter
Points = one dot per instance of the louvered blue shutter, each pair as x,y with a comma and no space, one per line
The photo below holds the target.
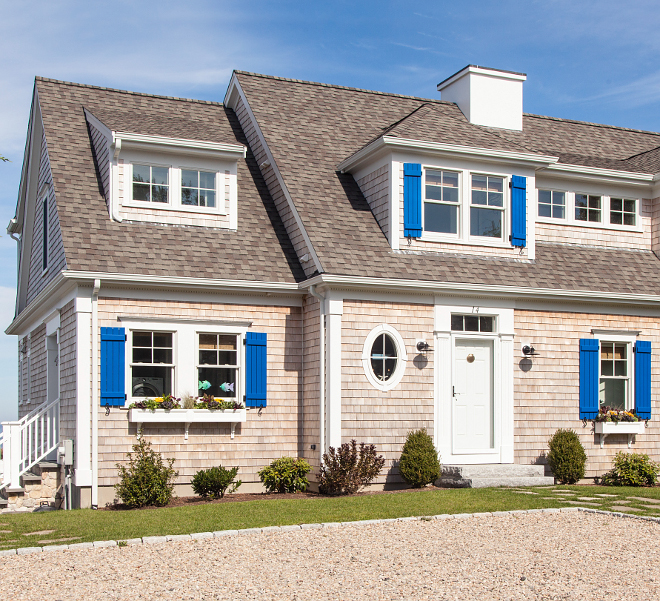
588,378
518,211
643,379
255,369
412,200
113,350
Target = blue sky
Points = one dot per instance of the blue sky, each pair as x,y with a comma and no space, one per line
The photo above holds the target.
594,61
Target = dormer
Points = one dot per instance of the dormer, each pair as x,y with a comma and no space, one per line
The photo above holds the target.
169,180
487,97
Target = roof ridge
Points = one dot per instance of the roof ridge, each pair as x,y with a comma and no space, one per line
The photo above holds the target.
349,88
591,123
129,92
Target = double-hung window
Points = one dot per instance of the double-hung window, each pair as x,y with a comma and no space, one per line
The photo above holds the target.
614,382
152,363
218,365
441,201
487,206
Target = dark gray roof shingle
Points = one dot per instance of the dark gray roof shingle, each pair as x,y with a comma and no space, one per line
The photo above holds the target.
260,249
310,128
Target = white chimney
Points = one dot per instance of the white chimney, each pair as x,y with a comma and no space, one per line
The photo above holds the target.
487,96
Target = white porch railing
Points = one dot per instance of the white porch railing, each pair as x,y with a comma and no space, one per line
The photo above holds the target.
28,441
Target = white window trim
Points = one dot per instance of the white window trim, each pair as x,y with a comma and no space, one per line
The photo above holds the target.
238,387
624,337
174,197
459,205
185,347
505,210
604,224
129,360
402,357
464,186
45,235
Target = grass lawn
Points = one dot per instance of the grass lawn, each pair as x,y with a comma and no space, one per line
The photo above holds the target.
83,525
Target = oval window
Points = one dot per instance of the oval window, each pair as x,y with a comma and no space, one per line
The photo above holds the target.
383,357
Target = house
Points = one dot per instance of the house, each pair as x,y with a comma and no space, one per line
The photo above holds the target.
347,263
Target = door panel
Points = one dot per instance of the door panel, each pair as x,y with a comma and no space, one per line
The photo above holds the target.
472,402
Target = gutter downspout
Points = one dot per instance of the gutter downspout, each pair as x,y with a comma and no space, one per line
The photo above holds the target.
94,395
315,294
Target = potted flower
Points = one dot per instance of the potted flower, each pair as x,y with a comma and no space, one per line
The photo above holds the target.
617,421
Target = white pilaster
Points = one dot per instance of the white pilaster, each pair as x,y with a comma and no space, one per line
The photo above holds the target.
334,312
506,413
83,443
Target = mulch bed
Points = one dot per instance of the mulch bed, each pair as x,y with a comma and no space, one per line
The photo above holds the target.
241,497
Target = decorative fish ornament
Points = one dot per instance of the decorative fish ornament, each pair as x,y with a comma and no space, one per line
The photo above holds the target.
227,387
205,385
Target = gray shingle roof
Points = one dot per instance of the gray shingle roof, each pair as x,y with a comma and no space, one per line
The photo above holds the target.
310,128
260,249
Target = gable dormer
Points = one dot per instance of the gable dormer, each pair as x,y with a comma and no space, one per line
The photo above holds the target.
162,179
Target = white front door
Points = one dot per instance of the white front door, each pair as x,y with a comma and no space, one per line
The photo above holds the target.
472,400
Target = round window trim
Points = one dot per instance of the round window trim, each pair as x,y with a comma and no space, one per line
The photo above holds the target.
401,355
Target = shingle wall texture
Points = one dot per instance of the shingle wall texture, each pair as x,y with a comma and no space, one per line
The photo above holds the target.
384,418
258,441
67,364
376,189
34,383
310,382
591,236
546,397
37,278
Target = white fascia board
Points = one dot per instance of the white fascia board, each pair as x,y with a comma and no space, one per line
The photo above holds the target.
481,71
153,281
179,145
597,173
54,296
68,280
480,290
438,148
234,92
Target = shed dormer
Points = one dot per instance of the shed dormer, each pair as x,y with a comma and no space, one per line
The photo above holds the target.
487,97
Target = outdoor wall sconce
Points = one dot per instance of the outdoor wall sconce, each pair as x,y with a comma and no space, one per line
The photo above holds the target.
422,346
528,350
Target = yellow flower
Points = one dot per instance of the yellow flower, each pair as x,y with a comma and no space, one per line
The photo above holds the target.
159,399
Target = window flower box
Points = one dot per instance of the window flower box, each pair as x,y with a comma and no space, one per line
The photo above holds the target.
187,417
630,428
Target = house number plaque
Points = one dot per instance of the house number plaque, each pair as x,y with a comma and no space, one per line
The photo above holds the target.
470,358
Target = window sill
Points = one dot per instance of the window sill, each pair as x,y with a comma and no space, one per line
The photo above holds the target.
471,241
591,224
187,417
604,429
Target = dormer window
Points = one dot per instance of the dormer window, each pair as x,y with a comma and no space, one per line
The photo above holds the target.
441,202
150,183
197,188
487,209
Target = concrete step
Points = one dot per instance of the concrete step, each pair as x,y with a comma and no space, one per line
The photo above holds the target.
482,476
48,465
30,477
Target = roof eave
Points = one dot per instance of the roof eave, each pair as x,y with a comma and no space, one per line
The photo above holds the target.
363,155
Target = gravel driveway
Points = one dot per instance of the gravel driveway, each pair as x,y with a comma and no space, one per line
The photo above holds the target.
531,556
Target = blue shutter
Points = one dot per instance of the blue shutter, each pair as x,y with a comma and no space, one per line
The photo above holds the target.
113,366
255,369
588,378
518,211
412,200
643,379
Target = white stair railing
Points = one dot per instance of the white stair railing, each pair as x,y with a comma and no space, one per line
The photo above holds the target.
29,440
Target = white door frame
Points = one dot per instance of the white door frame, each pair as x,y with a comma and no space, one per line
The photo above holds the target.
503,368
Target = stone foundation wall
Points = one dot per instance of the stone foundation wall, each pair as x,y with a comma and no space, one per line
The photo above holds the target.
47,491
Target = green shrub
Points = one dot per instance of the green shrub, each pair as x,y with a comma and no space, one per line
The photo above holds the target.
344,471
632,469
566,456
215,482
419,463
286,474
147,480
